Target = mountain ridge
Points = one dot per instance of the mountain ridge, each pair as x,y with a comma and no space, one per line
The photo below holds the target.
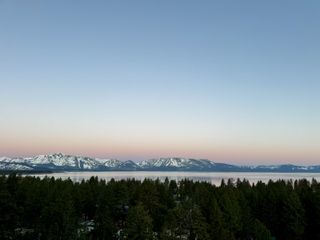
63,162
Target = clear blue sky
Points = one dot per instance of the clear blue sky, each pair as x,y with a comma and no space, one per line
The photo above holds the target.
232,81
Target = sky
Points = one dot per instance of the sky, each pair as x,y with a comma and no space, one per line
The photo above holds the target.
230,81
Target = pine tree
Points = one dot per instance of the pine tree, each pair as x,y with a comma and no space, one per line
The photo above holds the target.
138,224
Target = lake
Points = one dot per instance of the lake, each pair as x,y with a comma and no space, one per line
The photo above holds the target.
211,177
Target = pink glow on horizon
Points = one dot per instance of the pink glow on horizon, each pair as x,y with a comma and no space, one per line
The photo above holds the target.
233,155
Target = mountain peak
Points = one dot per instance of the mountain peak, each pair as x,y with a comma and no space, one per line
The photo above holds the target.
63,162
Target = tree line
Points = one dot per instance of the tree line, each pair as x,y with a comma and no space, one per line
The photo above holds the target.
49,208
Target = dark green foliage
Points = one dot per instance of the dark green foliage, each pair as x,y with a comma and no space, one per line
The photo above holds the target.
185,222
48,208
138,224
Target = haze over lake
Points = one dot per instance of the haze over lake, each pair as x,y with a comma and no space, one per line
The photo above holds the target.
211,177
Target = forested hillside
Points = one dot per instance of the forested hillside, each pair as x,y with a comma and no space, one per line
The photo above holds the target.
31,208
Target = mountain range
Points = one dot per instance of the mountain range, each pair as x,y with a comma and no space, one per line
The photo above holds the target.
62,162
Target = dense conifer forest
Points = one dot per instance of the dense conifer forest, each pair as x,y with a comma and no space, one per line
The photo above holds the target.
34,208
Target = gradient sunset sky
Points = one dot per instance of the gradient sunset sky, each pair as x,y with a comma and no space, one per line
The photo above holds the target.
230,81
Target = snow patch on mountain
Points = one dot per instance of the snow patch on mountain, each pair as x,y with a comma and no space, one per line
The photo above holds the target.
14,167
180,163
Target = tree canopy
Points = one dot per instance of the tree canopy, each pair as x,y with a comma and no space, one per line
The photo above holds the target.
48,208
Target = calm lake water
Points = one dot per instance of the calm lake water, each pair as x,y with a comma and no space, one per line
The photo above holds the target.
211,177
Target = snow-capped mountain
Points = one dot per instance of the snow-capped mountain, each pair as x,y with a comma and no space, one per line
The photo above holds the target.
284,168
14,167
59,161
128,165
62,162
182,164
175,163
